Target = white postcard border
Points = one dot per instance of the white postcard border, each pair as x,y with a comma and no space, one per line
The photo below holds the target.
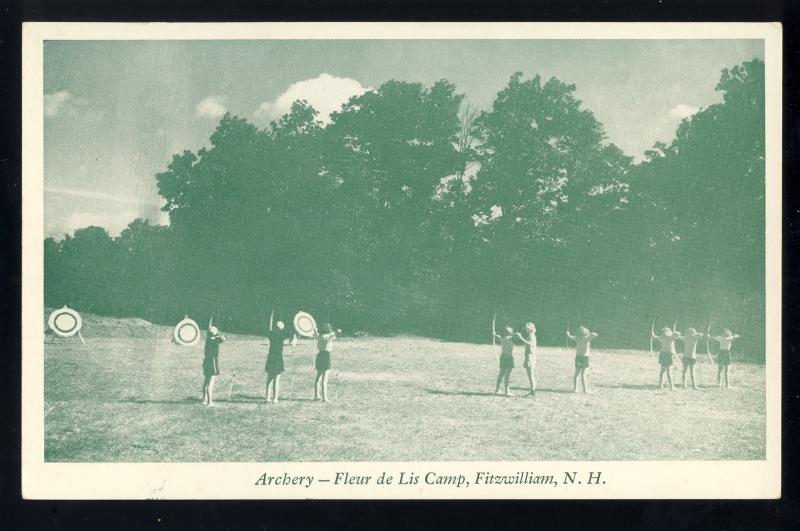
617,480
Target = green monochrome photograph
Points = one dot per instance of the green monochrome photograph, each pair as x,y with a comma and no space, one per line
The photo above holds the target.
296,250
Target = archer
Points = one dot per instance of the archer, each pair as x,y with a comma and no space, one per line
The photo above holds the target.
582,350
724,357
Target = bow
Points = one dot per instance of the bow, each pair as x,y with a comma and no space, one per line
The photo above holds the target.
674,332
708,350
566,342
652,333
494,329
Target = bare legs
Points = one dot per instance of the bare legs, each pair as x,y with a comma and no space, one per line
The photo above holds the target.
580,372
208,389
665,370
276,387
722,370
503,378
531,380
321,386
690,368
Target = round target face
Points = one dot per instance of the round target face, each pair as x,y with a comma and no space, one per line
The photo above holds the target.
186,332
65,322
304,324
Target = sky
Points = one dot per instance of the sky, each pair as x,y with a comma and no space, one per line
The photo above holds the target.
116,111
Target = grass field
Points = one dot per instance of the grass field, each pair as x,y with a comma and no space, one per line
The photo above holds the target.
131,395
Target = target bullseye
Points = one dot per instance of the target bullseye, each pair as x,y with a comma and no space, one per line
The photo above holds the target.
304,324
65,322
186,332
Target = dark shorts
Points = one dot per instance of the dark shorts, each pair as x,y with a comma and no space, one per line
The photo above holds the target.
323,361
688,362
274,365
210,366
665,359
581,362
506,362
724,357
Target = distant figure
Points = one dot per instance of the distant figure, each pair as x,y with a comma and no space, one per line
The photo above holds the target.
506,360
667,341
274,366
582,350
322,362
689,354
211,363
724,356
530,355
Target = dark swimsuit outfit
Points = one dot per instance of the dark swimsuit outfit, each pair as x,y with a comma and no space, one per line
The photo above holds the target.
274,365
211,359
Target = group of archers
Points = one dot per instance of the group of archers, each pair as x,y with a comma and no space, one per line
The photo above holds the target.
274,367
583,340
324,340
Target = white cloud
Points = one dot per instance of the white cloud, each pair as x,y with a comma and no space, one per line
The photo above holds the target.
90,194
682,111
86,208
62,102
325,93
211,107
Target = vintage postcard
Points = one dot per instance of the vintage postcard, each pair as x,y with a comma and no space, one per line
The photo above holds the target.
367,260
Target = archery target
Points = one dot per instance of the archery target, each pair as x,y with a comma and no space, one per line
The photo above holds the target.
186,332
304,324
65,322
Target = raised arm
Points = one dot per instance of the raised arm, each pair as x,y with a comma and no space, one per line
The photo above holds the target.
570,336
521,338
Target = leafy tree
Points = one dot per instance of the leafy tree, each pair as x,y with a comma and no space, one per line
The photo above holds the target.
411,212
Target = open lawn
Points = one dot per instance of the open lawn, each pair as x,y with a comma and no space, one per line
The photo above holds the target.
131,395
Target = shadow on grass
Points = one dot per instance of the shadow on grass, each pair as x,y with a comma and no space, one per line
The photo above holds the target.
544,390
260,399
640,387
458,393
477,393
187,400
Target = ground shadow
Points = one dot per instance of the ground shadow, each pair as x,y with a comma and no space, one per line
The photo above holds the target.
640,387
478,393
260,399
457,393
187,400
544,390
245,398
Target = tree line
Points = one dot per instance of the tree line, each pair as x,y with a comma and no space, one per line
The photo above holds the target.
412,213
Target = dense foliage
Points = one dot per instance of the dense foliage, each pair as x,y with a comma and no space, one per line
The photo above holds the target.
410,212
